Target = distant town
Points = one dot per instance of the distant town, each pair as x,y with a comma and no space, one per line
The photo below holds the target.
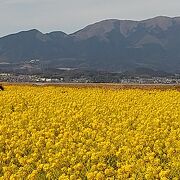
34,71
22,78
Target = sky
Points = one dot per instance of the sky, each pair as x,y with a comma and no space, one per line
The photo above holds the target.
71,15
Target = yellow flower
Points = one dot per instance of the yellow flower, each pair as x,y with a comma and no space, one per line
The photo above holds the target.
89,133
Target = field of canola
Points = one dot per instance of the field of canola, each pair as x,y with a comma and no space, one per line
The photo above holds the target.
89,133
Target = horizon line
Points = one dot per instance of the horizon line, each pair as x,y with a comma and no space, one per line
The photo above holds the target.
145,19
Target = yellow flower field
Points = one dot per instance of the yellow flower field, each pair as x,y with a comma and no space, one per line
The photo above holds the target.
89,133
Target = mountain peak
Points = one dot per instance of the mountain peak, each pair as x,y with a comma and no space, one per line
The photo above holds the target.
162,22
112,45
125,27
96,29
57,34
32,31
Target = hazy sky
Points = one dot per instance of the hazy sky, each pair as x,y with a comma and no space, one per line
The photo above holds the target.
72,15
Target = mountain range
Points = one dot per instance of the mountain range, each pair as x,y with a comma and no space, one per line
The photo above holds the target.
110,45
